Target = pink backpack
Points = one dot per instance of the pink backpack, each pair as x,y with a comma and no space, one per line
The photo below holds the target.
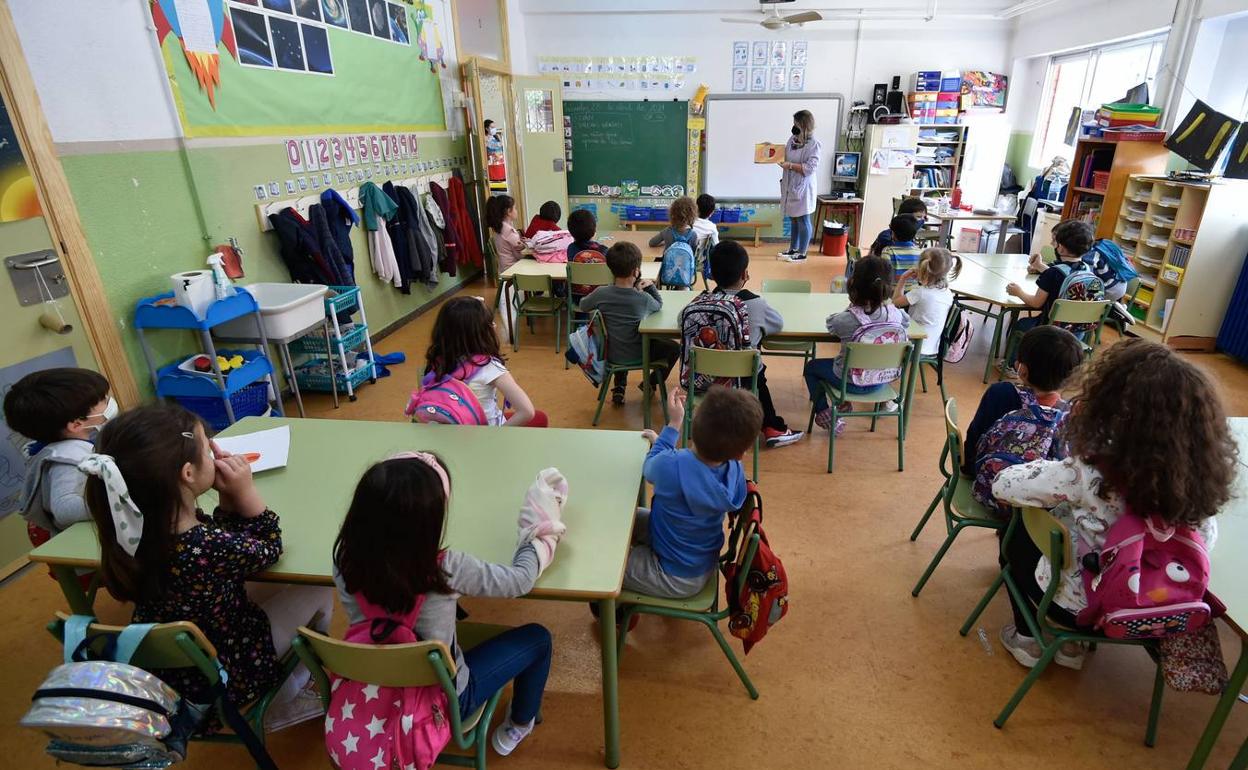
1149,581
369,726
447,400
891,329
552,245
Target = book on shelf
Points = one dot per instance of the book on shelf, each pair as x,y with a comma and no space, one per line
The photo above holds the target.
1179,256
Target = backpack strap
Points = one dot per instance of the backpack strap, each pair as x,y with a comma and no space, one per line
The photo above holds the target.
129,639
745,295
235,721
75,634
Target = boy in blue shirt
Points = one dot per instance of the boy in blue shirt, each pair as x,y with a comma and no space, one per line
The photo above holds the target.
676,543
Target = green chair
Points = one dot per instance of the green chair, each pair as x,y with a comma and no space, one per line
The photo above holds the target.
593,274
700,255
704,607
536,299
868,355
599,328
183,645
421,664
1112,321
737,364
802,350
937,360
1054,542
961,510
491,258
1071,312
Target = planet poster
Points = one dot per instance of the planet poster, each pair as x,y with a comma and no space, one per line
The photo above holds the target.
18,199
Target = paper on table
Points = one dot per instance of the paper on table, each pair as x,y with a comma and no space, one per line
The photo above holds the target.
270,447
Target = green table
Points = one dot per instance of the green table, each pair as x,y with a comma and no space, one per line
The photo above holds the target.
984,278
491,468
805,320
1228,580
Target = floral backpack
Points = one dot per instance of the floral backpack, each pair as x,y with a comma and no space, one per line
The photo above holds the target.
370,726
1028,433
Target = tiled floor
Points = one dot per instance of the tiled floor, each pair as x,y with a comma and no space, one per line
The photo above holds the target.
858,675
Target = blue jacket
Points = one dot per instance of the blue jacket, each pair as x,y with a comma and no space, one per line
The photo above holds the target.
690,501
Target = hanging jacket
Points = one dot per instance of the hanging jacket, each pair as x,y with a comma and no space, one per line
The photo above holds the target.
424,233
329,246
442,200
423,252
470,248
300,249
341,218
446,262
377,208
402,235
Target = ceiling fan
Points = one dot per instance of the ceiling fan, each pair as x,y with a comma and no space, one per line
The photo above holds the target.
773,20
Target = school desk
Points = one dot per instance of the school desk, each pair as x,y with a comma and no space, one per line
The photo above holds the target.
946,220
327,457
757,227
805,320
558,272
981,283
1228,580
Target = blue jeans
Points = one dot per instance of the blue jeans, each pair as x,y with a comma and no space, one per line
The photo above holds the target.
799,233
522,654
822,370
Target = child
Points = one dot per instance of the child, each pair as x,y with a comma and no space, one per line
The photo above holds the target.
1070,240
389,552
583,226
676,543
1077,235
868,288
463,334
915,207
158,550
623,306
1047,356
729,268
902,252
500,214
681,215
703,225
547,218
1140,407
60,410
929,299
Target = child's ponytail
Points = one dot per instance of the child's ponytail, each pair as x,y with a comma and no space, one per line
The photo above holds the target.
937,267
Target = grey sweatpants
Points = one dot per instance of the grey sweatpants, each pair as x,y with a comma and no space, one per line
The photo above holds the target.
644,574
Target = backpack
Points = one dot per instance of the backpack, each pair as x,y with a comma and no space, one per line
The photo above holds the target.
414,721
447,400
712,320
678,266
1148,581
586,350
764,599
551,245
702,258
1079,285
587,256
1110,254
101,711
1028,433
883,332
959,341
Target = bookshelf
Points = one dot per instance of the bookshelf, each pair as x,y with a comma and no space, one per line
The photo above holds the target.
938,159
1187,241
1111,163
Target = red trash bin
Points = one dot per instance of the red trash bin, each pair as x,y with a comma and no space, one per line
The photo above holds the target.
835,239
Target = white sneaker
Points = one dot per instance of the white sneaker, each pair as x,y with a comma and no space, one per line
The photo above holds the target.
508,735
305,705
890,406
1024,649
794,258
784,255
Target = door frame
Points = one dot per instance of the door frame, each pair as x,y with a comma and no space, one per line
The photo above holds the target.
60,213
477,136
517,98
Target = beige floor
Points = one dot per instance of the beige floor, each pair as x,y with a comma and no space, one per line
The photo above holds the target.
858,675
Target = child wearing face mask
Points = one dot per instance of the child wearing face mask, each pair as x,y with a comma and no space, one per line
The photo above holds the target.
60,410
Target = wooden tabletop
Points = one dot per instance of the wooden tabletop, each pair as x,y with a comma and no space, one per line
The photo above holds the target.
805,315
490,468
986,284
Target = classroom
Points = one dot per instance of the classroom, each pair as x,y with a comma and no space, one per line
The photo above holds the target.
959,288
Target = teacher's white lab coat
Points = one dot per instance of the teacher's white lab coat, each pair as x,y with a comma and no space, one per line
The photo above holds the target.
797,191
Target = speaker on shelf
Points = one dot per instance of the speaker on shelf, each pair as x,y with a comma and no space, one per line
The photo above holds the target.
895,100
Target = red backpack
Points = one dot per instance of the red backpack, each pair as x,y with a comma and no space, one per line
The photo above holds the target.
764,597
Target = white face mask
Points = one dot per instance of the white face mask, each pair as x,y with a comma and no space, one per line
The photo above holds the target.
111,410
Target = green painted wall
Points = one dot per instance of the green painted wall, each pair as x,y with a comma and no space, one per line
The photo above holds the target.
139,215
1018,154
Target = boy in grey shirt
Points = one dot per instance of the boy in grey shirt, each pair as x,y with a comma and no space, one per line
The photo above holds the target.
623,305
730,269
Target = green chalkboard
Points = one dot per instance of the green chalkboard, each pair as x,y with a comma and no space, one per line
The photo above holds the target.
616,141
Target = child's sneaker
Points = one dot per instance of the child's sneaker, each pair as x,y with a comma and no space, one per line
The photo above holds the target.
775,438
1024,649
840,425
890,406
617,395
823,419
1007,371
508,735
1071,655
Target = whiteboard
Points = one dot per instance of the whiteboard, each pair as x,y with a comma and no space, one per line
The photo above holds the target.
734,124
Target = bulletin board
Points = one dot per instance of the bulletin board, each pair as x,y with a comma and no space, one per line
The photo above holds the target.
734,124
248,68
616,141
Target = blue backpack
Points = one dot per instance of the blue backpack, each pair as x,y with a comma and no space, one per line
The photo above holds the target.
677,269
1079,285
1108,253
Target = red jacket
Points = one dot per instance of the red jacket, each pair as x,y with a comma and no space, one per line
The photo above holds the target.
538,225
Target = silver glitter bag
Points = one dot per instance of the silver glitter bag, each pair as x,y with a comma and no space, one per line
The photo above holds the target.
108,713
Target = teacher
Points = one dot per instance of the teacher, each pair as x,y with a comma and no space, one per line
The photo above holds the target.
797,184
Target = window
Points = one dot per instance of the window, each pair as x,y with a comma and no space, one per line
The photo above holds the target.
1087,79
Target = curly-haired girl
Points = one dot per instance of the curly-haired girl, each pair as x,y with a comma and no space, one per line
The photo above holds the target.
681,214
1147,432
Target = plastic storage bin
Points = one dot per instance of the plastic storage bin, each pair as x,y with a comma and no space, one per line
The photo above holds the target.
636,213
286,309
251,401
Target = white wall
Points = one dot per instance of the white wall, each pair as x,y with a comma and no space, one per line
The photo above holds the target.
842,59
1072,24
